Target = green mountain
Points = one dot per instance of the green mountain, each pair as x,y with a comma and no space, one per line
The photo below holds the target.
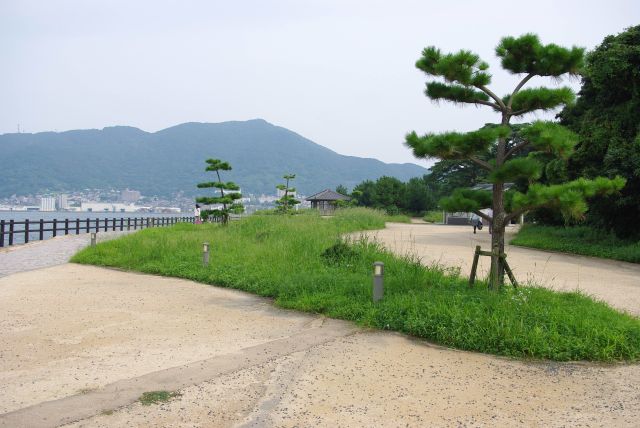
172,160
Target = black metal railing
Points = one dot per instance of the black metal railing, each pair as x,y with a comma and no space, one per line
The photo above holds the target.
18,232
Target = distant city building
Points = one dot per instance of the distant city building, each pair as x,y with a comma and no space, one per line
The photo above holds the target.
130,195
280,193
63,202
266,199
47,204
110,208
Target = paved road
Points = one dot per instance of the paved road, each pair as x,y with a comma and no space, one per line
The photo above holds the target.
52,252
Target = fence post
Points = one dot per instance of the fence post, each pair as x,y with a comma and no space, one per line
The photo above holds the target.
55,227
128,223
1,233
147,222
87,226
121,224
114,224
66,226
26,231
97,225
41,234
135,223
77,226
106,223
11,226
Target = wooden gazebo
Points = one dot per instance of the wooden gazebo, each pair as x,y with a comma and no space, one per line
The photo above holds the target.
325,201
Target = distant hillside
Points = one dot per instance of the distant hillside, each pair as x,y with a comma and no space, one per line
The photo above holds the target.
172,160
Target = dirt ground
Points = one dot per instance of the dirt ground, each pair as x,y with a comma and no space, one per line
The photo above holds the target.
80,344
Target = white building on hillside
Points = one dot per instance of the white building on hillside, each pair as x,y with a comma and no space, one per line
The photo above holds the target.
109,207
63,202
47,204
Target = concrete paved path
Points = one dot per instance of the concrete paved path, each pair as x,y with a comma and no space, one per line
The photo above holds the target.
51,252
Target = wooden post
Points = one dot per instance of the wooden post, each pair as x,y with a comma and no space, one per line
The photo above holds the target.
474,266
1,233
26,231
11,226
41,234
97,225
77,226
512,278
55,227
66,226
128,223
121,224
87,226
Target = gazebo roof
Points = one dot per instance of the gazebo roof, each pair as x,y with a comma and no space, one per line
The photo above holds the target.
328,195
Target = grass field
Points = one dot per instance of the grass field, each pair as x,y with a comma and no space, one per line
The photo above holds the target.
578,240
303,264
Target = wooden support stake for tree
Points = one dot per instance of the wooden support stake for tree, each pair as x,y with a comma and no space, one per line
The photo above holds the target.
512,278
474,266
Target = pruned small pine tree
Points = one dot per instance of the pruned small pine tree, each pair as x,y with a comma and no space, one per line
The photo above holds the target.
287,202
229,194
464,80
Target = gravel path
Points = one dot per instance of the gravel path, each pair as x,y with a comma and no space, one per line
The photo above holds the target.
81,343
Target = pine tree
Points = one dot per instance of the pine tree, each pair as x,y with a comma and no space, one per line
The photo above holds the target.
228,200
494,147
286,203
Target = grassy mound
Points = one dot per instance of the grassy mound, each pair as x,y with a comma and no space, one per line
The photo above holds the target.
581,240
301,262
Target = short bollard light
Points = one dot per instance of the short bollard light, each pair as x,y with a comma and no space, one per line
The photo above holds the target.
205,254
378,281
93,239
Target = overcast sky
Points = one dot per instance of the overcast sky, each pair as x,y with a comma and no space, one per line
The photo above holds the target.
338,72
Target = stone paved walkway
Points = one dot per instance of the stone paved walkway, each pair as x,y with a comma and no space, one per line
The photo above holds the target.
52,252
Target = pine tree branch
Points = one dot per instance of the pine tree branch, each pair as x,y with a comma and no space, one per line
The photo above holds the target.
486,103
482,215
492,95
481,163
520,85
516,213
519,112
517,148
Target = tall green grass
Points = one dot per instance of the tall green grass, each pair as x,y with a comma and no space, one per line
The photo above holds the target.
302,262
433,217
582,240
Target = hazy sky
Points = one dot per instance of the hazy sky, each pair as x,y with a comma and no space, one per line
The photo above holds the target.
339,72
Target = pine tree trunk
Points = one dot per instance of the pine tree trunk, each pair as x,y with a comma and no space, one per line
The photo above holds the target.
496,277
